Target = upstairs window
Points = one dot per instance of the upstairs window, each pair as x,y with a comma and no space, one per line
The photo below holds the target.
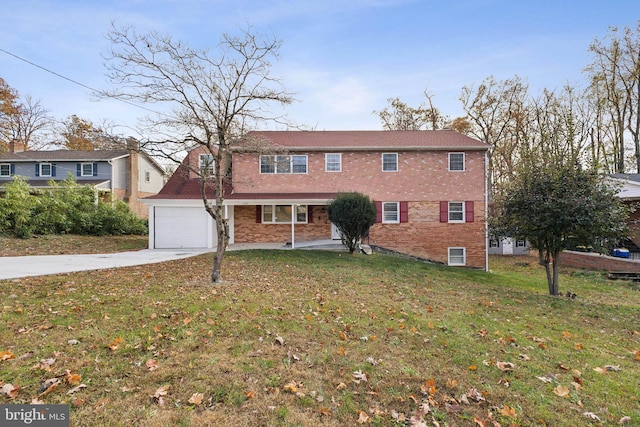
147,176
86,169
333,162
6,169
456,162
283,164
389,162
205,164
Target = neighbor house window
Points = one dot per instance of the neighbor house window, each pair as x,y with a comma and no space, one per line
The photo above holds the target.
389,162
493,243
520,244
147,176
205,163
45,169
456,161
333,162
456,212
457,256
281,214
390,212
86,169
283,164
5,169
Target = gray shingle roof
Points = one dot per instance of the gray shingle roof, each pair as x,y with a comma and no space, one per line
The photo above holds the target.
64,155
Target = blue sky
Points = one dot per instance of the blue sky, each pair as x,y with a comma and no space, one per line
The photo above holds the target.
341,58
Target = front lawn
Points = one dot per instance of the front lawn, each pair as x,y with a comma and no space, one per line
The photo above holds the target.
71,244
308,338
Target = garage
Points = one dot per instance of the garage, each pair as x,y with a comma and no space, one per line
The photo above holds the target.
181,227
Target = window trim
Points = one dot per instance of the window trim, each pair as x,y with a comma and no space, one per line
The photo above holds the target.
396,162
273,214
42,174
327,163
275,161
463,162
8,165
462,210
386,221
202,164
82,165
464,256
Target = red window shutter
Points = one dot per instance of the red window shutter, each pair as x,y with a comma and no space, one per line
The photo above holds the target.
310,214
468,211
258,214
378,211
404,211
444,211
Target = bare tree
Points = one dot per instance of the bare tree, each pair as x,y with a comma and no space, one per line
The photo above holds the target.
497,113
212,98
21,120
399,116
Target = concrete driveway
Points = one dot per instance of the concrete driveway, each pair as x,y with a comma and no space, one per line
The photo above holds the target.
40,265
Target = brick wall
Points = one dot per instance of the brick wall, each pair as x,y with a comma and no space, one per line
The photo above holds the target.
593,261
423,235
422,176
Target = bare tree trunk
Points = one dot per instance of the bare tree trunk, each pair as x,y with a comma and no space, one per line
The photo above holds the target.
222,227
555,288
544,259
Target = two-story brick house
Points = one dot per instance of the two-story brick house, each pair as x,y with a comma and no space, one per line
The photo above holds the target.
429,188
126,175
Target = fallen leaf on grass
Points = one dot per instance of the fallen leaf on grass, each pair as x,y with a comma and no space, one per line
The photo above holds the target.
115,344
614,368
196,398
359,376
507,411
561,391
6,355
362,417
624,420
77,388
291,387
249,394
48,386
152,364
10,390
591,415
505,366
72,379
44,364
341,386
161,391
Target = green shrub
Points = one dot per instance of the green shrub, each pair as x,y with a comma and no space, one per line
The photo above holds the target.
353,214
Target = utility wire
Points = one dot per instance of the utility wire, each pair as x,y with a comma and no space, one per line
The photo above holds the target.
99,92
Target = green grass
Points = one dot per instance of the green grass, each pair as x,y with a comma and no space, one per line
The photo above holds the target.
279,342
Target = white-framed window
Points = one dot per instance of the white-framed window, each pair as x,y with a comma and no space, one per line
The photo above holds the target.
520,244
281,214
457,256
283,164
389,162
45,169
147,176
333,162
205,164
456,162
493,243
5,169
456,211
391,212
86,169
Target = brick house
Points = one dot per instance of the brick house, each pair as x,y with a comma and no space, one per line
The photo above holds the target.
429,188
126,175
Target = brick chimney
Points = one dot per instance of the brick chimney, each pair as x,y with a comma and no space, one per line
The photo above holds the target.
16,146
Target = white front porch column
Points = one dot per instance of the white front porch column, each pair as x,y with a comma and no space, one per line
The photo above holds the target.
293,226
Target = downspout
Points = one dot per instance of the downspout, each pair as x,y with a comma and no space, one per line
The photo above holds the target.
486,214
111,180
293,226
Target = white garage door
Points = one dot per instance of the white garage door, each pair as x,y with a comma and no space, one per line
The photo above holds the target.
180,227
